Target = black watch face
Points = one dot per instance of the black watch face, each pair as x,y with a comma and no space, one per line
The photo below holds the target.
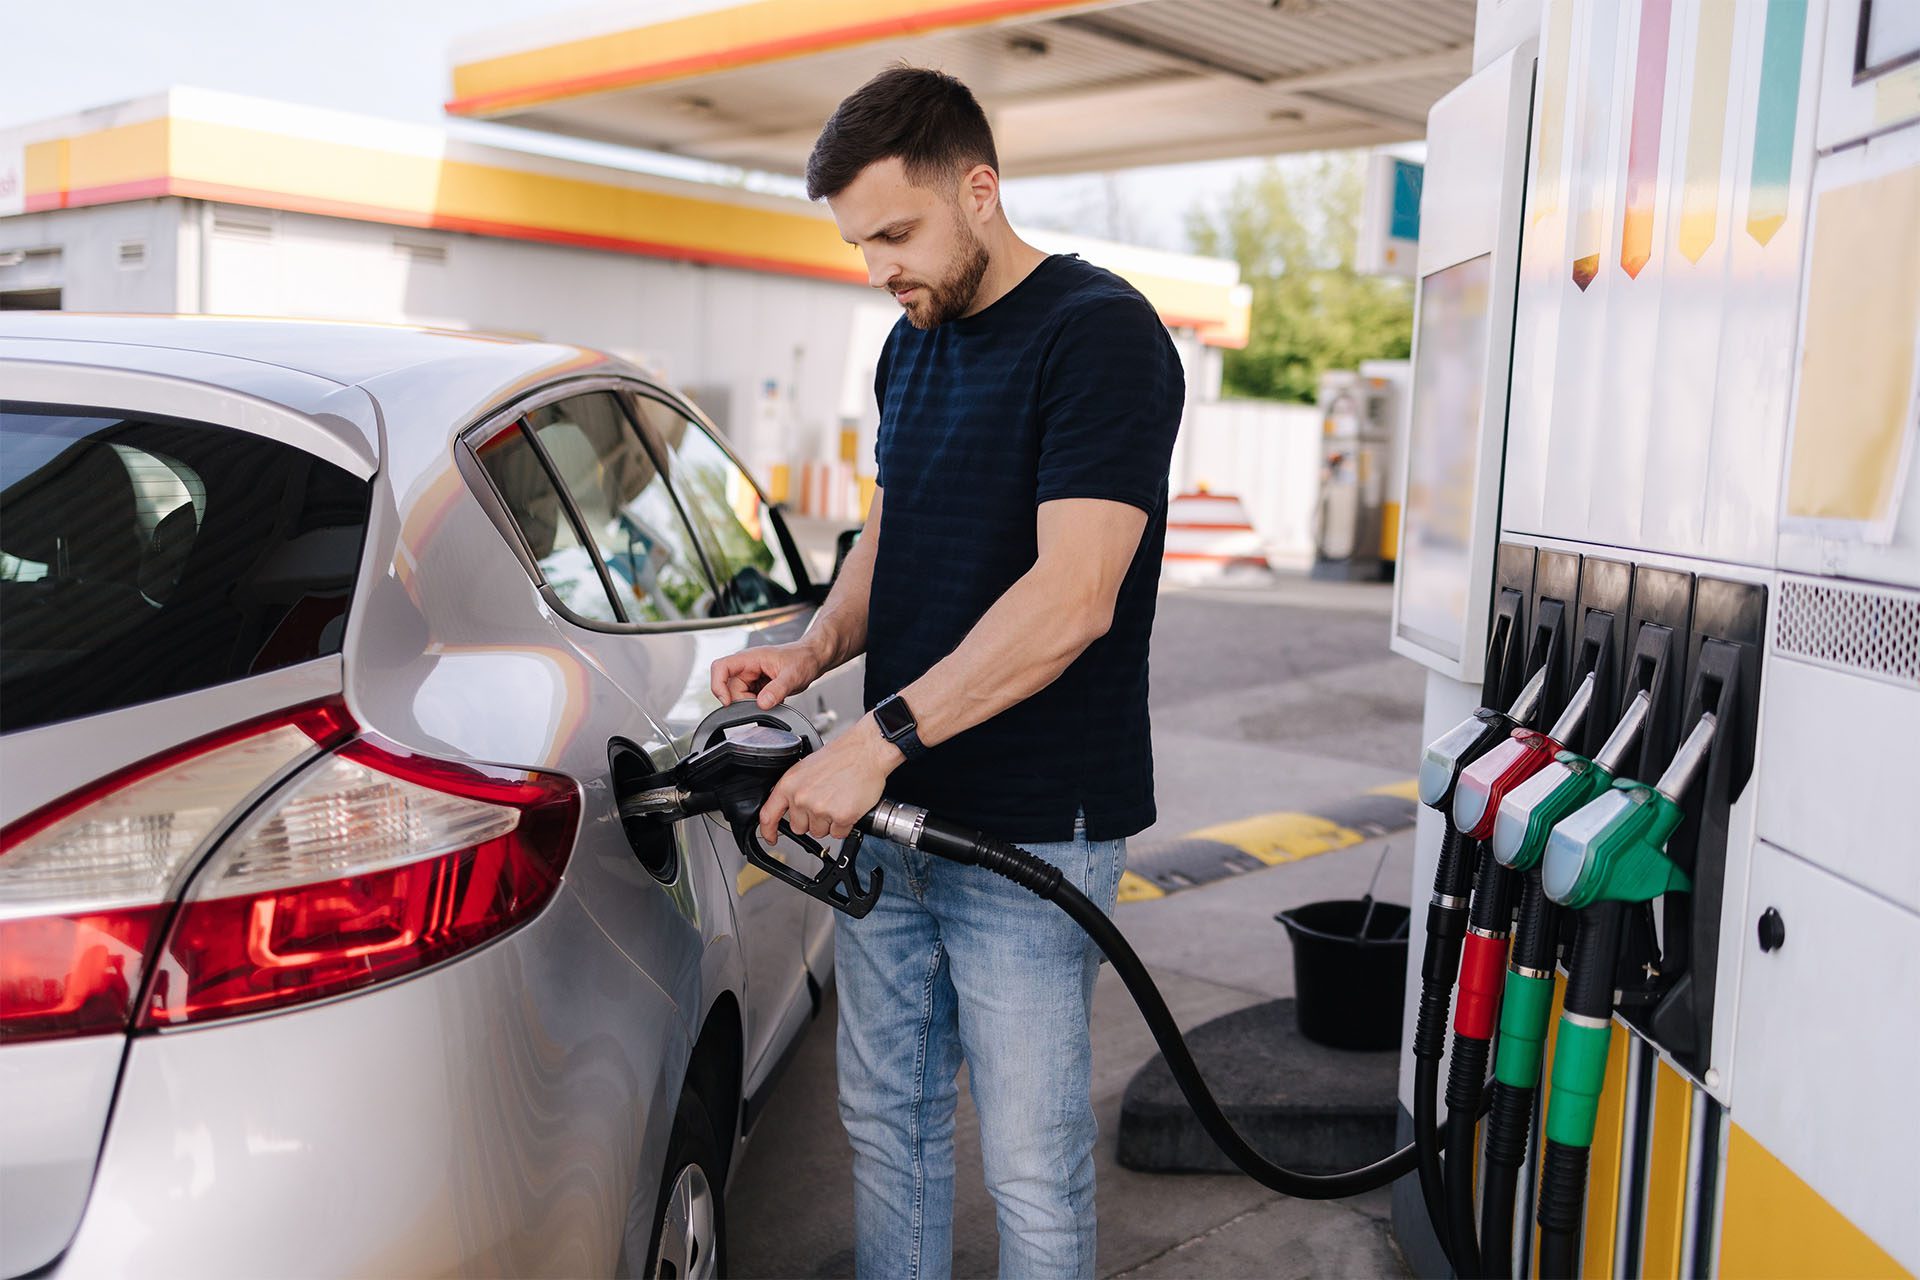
893,717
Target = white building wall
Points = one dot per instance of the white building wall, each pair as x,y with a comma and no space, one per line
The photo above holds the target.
1265,454
78,251
718,333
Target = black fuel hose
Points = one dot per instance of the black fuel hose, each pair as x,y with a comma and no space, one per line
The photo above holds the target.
931,834
1439,969
1426,1143
1563,1166
1510,1120
1466,1076
1481,969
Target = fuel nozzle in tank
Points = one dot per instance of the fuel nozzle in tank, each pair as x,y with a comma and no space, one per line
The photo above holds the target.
740,753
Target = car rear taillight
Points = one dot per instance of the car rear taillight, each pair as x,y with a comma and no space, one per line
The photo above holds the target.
370,865
86,882
366,865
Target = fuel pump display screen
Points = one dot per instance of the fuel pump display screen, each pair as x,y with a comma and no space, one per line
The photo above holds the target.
1443,455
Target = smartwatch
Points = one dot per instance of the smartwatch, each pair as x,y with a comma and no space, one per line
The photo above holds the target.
898,726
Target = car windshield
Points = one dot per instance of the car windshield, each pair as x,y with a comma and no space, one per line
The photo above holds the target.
143,557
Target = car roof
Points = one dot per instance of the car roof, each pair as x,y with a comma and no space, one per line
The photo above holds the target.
441,376
344,352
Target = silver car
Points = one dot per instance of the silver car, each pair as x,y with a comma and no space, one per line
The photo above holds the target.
323,949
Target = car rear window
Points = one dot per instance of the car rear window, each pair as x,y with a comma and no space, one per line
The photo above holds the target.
144,557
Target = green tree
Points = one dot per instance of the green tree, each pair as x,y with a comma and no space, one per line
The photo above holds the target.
1292,227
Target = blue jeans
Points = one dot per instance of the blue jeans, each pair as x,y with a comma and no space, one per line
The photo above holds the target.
956,963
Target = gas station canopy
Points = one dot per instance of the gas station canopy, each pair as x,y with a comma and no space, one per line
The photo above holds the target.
1070,86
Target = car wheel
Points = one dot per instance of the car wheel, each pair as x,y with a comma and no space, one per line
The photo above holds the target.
689,1222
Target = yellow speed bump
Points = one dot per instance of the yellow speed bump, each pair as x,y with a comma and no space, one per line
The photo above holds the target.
1275,838
1161,867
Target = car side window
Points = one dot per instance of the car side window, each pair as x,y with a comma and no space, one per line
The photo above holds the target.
735,523
627,508
535,505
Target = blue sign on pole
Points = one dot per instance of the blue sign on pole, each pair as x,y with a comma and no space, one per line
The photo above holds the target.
1405,221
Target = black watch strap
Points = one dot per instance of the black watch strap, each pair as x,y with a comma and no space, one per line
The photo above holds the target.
897,725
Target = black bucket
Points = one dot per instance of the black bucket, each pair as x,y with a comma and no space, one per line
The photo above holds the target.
1349,990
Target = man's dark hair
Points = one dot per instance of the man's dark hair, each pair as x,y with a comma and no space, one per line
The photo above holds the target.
926,119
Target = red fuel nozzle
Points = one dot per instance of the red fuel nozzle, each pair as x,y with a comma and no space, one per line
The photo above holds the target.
1490,779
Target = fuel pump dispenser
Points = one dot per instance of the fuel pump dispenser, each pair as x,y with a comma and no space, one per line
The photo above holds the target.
1490,914
1641,743
1661,616
1356,413
1680,411
1610,853
1723,680
1579,832
1515,777
1527,999
1526,1002
1482,789
1441,765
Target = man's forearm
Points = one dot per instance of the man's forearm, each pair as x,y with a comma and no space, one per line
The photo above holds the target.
1030,636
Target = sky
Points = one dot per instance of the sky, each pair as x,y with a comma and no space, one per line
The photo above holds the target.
389,58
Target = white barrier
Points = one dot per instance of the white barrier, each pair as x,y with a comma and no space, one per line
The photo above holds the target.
1209,537
1267,455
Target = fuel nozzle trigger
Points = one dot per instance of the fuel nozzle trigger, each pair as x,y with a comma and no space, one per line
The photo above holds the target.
837,883
740,753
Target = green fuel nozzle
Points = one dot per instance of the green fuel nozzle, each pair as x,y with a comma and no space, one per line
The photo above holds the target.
1530,812
1609,853
1614,848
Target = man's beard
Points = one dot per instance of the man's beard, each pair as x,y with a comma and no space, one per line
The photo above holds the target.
953,296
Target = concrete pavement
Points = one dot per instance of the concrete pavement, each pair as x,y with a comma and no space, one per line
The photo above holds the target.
1212,950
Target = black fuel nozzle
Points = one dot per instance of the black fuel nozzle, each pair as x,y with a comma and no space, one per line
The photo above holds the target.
736,771
1450,753
740,753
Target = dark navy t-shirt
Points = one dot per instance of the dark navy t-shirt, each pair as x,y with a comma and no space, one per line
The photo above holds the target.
1065,387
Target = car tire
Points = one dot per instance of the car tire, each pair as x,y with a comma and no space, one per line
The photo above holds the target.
690,1218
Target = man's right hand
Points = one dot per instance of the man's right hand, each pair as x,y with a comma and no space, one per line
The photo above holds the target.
770,674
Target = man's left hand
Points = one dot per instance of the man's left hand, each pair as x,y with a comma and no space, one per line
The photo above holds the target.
830,790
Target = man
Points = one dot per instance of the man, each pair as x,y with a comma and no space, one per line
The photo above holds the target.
1003,592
